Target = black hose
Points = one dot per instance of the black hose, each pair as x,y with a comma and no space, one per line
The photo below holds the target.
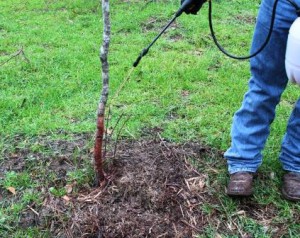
295,6
241,57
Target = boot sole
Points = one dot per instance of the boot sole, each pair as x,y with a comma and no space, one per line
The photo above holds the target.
288,197
236,194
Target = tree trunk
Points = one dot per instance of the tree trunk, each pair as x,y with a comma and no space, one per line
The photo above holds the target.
98,153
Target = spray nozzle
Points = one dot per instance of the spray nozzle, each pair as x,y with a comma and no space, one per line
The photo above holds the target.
143,53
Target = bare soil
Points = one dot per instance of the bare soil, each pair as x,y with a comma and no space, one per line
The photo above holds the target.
155,188
154,192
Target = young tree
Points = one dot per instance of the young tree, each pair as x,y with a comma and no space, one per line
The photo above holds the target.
98,153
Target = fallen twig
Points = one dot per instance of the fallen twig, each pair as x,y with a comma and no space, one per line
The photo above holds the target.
34,211
19,52
188,224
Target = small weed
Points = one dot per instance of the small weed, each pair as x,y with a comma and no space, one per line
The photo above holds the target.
17,180
58,192
30,196
3,221
80,176
17,208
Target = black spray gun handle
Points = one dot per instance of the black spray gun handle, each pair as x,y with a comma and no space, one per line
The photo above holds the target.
185,7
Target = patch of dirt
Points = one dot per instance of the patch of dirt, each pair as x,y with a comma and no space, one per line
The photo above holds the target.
154,192
157,24
246,19
155,189
21,152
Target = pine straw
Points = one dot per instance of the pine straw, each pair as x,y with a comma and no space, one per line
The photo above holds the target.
154,192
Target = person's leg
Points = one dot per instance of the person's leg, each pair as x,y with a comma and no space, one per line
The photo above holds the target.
290,150
290,156
251,122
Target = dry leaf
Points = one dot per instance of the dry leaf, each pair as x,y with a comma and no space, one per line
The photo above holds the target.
109,132
240,213
66,198
14,155
201,184
69,188
185,93
218,235
12,190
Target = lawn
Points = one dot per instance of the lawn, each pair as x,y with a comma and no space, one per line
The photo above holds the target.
178,102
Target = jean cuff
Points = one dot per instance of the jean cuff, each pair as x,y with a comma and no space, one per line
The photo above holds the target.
242,169
290,169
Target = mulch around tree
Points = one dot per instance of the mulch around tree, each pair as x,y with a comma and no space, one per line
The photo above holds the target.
153,191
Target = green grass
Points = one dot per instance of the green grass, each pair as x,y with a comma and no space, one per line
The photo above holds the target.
184,86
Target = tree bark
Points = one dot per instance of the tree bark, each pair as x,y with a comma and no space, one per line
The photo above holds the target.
98,153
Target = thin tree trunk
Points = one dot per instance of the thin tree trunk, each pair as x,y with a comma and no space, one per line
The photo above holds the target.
98,153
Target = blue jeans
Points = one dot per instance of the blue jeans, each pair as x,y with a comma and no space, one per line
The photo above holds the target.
268,80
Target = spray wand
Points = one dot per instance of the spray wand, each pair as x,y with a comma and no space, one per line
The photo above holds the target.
187,7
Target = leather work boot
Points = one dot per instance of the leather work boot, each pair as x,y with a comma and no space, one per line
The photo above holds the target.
240,184
291,186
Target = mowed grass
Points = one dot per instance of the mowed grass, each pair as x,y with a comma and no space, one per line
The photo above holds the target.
184,86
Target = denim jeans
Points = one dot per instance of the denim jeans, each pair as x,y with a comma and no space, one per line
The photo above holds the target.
268,80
